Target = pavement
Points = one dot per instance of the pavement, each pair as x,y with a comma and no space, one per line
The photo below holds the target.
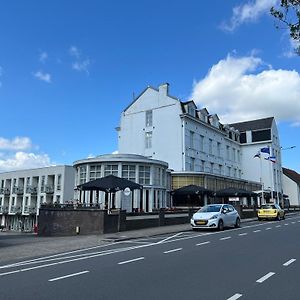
16,246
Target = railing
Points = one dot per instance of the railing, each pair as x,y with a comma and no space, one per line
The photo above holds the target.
5,191
18,190
3,209
29,210
15,209
49,189
31,189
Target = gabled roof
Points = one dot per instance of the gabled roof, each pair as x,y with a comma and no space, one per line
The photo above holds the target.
254,124
292,175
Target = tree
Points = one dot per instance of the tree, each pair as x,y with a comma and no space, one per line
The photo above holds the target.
288,13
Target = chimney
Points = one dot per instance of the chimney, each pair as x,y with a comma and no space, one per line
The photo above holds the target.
164,89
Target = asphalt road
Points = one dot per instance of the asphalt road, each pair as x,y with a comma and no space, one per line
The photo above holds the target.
258,261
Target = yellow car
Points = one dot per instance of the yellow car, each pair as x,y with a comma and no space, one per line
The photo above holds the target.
271,211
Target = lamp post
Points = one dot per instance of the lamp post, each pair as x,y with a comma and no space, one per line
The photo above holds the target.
285,148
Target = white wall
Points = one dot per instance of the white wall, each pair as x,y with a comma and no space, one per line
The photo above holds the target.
292,189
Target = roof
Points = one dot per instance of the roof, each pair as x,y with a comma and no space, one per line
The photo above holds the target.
254,124
292,175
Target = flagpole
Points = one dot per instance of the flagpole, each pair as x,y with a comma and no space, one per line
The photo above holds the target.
272,178
261,181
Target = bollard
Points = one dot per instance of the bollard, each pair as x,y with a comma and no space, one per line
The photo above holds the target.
77,229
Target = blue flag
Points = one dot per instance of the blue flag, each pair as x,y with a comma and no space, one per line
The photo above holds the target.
271,158
257,155
265,150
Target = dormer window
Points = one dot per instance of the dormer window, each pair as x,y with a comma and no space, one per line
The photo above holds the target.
191,110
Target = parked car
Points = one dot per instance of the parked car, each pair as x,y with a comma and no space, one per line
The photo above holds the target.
216,216
270,211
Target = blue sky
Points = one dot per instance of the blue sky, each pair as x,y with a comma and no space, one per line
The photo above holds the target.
69,68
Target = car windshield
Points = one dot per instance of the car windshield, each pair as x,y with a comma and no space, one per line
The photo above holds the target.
268,206
210,208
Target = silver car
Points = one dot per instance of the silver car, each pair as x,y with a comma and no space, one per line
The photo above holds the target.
216,216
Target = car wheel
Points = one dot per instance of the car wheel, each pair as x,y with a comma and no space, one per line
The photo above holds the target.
259,219
194,229
283,217
237,223
278,217
221,225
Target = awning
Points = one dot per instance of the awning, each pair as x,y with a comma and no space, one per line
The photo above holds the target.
192,190
235,192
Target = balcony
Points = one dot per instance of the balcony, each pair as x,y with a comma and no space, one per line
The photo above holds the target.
15,210
4,191
31,189
29,210
3,210
49,189
18,190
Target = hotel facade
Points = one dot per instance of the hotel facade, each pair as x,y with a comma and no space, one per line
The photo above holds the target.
23,192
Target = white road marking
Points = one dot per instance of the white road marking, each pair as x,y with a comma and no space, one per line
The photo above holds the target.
131,260
234,297
298,221
293,222
203,243
278,226
257,230
169,237
289,262
286,224
225,238
267,276
241,234
173,250
268,228
67,276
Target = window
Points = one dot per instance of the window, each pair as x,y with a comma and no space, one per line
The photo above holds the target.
43,183
261,135
243,139
192,163
111,170
156,177
58,187
26,201
228,171
95,172
220,169
202,166
28,181
128,172
227,152
144,175
234,154
210,146
219,149
192,139
238,156
211,167
82,174
148,118
148,140
201,142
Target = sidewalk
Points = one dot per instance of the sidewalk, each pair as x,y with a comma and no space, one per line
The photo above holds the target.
22,246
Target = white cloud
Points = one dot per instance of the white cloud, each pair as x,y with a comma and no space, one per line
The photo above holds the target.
240,89
115,152
18,143
43,57
22,160
81,66
248,12
74,51
43,76
290,53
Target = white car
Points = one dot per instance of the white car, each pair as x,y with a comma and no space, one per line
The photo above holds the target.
216,216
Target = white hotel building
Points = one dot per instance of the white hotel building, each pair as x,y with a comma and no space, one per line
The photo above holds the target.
199,149
22,193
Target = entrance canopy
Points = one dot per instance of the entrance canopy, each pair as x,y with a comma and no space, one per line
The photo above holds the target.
192,190
234,192
109,184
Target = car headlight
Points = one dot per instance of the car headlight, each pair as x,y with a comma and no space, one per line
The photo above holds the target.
214,217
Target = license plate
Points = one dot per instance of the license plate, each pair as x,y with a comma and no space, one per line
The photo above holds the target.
201,222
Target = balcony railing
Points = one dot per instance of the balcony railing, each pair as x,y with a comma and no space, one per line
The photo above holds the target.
15,209
31,189
5,191
49,189
3,209
18,190
29,210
